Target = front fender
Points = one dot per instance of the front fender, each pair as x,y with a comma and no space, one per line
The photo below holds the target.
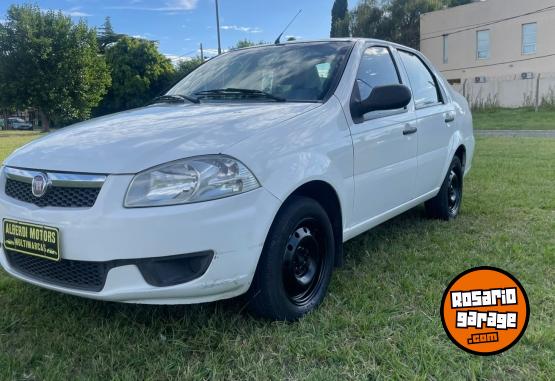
316,145
302,168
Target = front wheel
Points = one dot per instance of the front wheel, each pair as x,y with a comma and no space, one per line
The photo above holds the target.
447,204
296,264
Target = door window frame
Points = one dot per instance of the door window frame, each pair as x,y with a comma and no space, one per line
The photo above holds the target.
373,115
441,93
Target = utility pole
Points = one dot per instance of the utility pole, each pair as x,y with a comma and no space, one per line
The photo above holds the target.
201,53
218,27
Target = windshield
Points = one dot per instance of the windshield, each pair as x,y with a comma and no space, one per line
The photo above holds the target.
295,72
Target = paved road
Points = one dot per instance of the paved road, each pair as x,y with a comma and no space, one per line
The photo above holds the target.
517,133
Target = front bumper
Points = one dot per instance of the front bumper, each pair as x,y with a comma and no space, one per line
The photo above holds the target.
233,228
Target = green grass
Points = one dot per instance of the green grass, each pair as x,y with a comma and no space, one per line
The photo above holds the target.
10,140
514,119
12,133
379,321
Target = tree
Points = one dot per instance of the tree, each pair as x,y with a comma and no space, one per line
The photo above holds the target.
107,36
139,74
107,28
405,19
246,43
50,63
6,101
243,44
184,68
394,20
340,19
368,20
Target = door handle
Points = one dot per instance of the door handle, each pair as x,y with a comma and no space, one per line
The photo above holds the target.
449,116
409,130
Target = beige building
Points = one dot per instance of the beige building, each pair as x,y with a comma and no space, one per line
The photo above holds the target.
494,50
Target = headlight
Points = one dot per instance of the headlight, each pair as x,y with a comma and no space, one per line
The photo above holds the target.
185,181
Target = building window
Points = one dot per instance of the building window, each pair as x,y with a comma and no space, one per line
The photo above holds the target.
445,52
482,44
529,37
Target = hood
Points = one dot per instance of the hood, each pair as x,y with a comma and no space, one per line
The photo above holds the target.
132,141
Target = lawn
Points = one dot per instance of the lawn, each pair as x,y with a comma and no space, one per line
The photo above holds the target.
514,119
10,140
379,321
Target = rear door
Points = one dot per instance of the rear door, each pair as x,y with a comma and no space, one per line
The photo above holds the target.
385,142
435,122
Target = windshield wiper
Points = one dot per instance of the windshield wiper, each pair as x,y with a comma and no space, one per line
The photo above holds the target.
176,98
246,92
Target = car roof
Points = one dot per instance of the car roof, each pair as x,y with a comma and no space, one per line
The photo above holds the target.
341,39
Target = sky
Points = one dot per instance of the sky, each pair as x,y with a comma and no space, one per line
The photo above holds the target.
180,26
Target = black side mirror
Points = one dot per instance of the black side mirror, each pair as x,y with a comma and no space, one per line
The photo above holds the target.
390,97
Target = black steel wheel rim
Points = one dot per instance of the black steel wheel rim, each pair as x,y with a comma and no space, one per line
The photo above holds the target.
304,261
454,193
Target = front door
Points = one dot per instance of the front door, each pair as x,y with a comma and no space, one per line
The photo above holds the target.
385,143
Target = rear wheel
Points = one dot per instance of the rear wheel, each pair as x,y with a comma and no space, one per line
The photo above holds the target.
296,264
446,205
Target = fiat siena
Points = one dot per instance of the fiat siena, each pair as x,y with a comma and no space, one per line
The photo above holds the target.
245,178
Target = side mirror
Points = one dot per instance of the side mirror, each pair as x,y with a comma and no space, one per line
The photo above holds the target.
390,97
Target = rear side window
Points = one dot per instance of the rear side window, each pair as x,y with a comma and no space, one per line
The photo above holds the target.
424,86
376,69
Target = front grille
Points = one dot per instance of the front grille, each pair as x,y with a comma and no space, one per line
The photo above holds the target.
87,276
63,197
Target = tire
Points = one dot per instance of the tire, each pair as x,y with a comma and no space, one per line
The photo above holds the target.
296,264
447,204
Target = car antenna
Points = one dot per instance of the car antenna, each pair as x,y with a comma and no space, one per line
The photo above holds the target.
277,42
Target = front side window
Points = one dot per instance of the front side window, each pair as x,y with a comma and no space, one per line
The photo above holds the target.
482,44
424,86
376,69
295,72
529,37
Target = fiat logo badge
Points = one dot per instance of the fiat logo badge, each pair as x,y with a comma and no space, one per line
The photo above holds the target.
39,185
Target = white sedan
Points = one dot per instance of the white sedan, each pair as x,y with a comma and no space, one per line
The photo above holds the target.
245,178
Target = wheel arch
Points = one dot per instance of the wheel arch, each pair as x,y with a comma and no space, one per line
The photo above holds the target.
326,195
461,154
457,148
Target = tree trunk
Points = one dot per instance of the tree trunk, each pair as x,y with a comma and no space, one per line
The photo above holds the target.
5,117
44,121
